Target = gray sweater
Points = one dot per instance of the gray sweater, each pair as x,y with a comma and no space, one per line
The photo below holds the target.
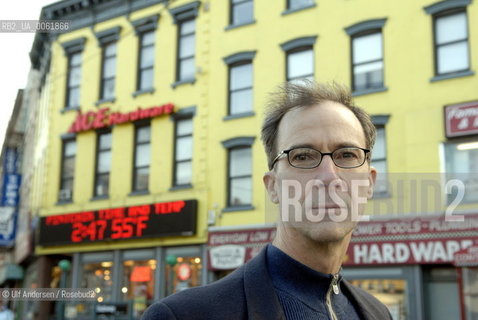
303,292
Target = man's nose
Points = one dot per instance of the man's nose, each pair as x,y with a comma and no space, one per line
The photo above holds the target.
327,170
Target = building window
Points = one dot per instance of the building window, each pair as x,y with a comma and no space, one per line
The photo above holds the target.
138,279
107,40
145,29
142,156
461,161
240,93
240,88
73,51
242,12
391,292
300,64
67,170
379,161
74,80
146,61
299,58
469,287
451,43
451,48
240,177
108,72
183,269
367,61
183,163
103,164
239,171
186,50
185,17
379,156
98,275
367,54
298,4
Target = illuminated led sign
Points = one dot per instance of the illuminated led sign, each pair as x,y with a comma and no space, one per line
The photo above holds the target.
177,218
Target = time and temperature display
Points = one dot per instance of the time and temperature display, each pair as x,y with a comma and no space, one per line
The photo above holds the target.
149,220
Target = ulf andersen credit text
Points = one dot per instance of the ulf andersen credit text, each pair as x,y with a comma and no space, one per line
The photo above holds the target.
47,294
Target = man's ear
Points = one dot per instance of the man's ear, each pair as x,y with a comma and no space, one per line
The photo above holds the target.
269,180
372,177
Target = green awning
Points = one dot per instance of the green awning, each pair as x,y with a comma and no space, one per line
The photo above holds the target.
11,271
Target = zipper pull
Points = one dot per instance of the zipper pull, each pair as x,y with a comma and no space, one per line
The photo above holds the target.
335,286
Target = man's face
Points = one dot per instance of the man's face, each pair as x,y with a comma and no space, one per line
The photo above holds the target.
328,199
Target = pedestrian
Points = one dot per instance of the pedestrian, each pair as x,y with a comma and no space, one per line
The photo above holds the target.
318,145
5,313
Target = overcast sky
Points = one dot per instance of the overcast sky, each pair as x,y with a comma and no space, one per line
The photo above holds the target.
14,50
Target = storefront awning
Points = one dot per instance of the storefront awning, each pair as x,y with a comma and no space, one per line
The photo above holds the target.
11,271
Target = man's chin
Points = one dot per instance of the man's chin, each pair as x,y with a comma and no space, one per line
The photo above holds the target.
325,231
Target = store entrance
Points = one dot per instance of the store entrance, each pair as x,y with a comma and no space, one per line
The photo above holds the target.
391,292
441,293
183,269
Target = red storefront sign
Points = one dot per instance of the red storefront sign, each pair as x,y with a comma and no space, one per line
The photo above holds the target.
404,240
467,257
419,240
141,274
429,251
231,249
461,119
102,118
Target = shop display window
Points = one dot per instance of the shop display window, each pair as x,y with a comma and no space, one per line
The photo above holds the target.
182,273
138,284
391,292
441,294
470,292
461,160
98,275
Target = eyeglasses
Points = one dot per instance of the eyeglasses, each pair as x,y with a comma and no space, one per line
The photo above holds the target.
308,158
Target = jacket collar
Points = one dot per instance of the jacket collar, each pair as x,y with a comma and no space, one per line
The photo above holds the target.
366,307
262,302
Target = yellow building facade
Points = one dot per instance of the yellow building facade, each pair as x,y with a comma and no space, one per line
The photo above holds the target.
155,162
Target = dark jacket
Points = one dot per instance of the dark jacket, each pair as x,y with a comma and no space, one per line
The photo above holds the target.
247,293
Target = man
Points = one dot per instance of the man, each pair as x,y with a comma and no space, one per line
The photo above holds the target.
318,147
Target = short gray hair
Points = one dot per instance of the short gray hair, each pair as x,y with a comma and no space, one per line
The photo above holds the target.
307,93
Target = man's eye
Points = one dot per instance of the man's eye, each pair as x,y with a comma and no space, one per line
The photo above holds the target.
303,156
348,155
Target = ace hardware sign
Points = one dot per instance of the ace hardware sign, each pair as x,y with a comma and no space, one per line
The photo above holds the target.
412,240
176,218
102,118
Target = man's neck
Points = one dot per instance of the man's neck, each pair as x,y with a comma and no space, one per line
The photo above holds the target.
325,257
